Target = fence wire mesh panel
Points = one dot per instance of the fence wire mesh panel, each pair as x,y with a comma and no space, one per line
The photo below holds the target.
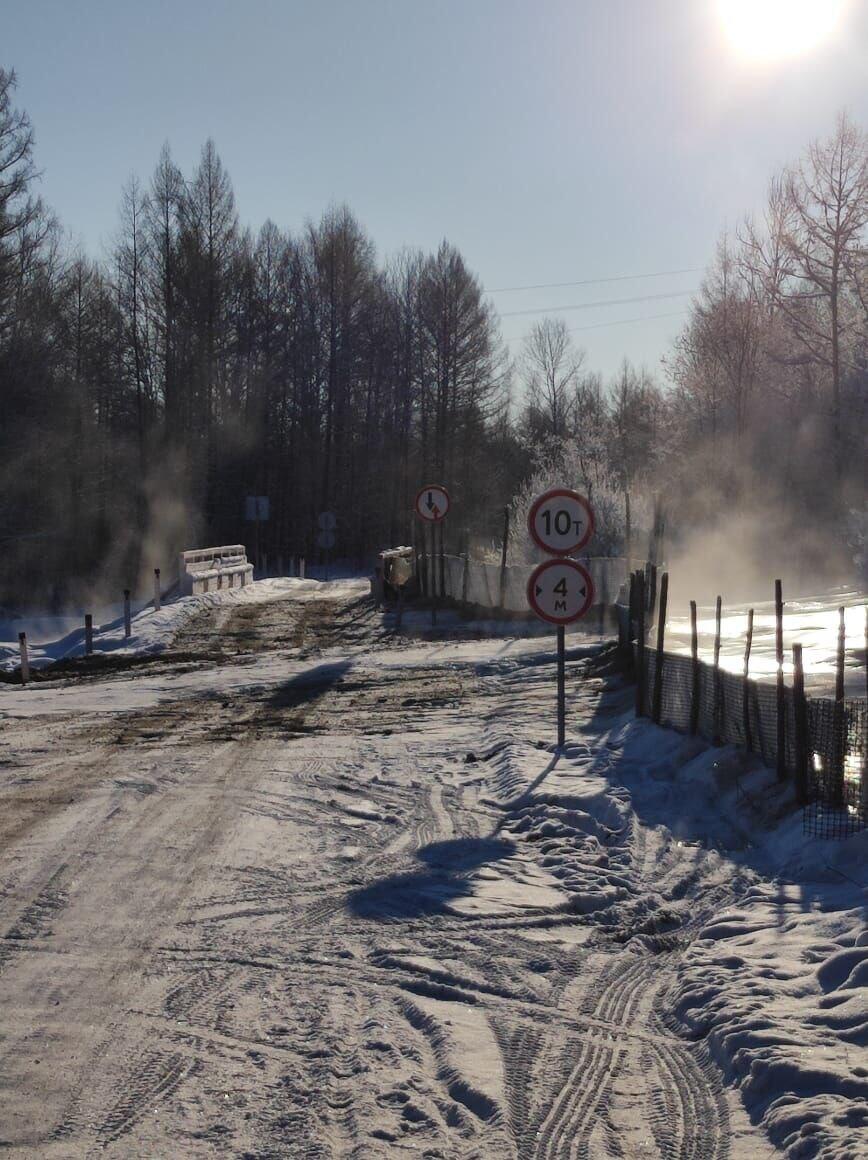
743,712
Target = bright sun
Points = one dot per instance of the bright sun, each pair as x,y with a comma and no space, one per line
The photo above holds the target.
769,30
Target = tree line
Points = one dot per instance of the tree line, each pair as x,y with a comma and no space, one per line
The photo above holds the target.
145,395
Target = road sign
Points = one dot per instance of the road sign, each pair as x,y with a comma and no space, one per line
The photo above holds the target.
560,591
326,539
256,507
560,521
328,521
432,503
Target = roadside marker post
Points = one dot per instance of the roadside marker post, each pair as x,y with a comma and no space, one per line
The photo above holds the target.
560,591
432,506
25,659
88,634
128,628
156,590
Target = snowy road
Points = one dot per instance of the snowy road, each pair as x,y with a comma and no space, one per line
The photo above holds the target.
312,890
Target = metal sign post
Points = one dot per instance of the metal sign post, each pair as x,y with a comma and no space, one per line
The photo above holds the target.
432,506
560,591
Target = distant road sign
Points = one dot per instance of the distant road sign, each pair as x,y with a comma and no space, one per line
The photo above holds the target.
560,591
256,507
560,521
328,521
326,539
432,503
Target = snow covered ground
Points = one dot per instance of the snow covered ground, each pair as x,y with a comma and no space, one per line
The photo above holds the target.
306,887
811,622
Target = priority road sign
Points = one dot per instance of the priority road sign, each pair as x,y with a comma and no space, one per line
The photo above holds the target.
560,591
432,503
560,521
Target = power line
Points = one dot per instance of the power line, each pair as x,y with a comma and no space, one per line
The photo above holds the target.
596,281
617,322
600,302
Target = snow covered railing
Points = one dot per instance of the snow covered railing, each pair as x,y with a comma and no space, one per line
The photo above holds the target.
209,569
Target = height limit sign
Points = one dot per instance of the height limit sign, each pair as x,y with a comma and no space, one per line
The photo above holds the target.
560,591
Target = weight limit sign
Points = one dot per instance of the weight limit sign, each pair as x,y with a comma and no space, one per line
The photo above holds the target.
560,521
560,591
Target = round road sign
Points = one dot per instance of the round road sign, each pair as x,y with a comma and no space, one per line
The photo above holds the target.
560,521
432,503
560,591
327,521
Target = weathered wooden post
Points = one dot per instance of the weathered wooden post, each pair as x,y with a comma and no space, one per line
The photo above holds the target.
128,627
301,567
718,608
781,743
640,645
745,686
800,712
503,551
88,634
657,708
694,652
25,659
157,600
838,718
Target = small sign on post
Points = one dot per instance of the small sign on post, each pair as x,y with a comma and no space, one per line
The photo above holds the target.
432,506
560,591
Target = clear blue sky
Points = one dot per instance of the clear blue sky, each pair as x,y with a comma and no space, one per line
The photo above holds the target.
550,140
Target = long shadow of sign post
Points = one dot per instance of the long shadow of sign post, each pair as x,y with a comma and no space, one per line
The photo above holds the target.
442,877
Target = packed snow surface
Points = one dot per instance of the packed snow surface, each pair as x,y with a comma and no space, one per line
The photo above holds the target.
303,885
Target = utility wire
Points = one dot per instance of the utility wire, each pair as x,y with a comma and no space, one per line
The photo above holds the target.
599,302
596,281
617,322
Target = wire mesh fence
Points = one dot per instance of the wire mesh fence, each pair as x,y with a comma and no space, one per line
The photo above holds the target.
830,765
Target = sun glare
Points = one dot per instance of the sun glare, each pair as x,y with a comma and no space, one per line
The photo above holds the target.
770,30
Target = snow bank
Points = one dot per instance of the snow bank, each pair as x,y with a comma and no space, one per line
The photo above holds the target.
152,631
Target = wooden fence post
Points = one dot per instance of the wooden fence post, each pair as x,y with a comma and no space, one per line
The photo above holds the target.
88,634
694,652
128,628
640,645
156,589
658,665
718,608
838,718
800,708
781,741
745,687
503,551
25,659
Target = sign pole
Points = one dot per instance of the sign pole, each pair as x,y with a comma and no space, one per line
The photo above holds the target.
562,690
433,573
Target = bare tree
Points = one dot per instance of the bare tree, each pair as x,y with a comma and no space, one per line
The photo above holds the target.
551,366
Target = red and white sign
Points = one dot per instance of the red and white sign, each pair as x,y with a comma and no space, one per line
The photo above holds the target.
560,591
560,521
432,503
